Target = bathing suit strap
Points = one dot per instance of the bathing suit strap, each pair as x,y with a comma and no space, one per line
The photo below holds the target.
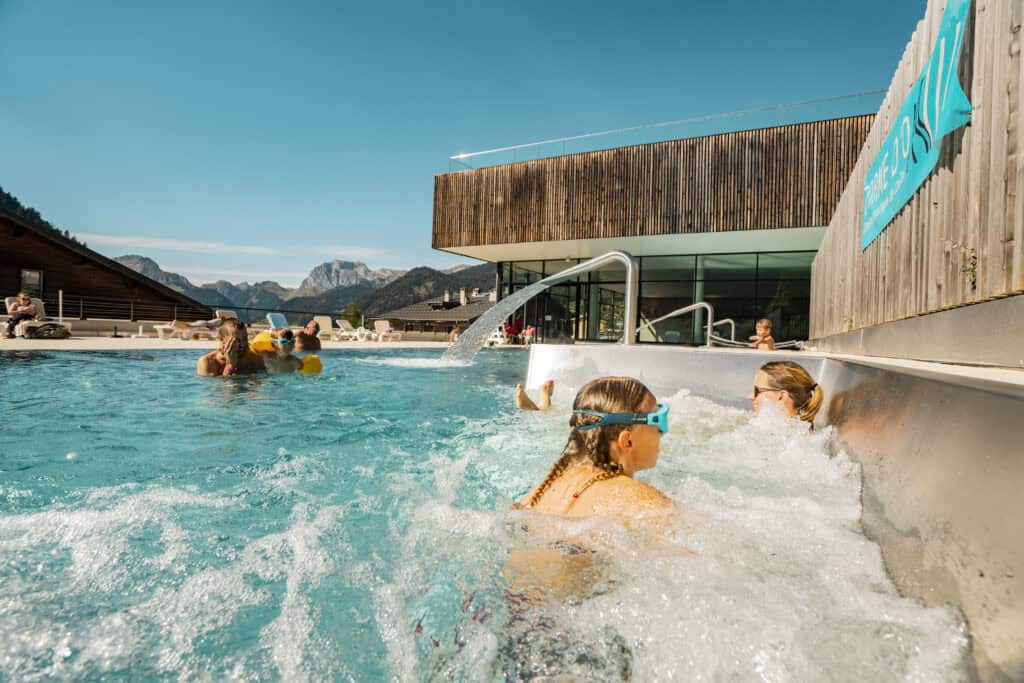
593,480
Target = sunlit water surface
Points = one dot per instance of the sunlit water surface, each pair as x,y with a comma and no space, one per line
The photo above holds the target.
355,526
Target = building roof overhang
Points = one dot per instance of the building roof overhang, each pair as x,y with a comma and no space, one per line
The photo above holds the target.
736,241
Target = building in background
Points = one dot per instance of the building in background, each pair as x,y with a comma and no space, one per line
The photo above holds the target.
440,314
734,219
59,270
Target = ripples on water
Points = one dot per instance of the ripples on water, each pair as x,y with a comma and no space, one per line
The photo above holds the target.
356,525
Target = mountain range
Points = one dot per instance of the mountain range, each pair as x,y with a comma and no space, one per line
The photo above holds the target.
328,289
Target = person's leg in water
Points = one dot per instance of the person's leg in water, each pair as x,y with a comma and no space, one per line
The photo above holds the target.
524,402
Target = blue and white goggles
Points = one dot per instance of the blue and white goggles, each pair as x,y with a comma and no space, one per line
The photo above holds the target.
659,419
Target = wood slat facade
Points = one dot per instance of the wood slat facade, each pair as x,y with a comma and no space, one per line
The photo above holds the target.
781,177
959,240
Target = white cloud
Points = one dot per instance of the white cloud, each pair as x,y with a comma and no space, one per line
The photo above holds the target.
172,245
346,253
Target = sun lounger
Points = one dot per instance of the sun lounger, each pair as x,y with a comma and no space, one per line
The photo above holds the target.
26,326
326,327
199,328
498,338
384,332
347,331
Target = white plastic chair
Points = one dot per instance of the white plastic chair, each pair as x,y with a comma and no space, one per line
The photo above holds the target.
384,332
40,319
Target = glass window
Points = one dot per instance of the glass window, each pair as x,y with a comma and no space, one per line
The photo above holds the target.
525,272
557,266
727,267
613,272
661,298
668,268
787,304
783,265
736,299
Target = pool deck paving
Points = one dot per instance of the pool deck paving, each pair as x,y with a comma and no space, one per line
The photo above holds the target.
153,344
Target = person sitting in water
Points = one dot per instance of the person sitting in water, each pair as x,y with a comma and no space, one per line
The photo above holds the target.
280,361
790,386
22,309
763,340
308,339
616,430
524,402
232,355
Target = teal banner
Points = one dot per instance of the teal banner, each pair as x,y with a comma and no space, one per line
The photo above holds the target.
934,107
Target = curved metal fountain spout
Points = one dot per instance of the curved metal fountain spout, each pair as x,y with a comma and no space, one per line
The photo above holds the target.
632,287
686,309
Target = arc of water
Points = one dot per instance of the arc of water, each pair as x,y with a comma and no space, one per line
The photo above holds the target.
470,341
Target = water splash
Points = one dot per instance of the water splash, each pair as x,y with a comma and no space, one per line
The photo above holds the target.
473,339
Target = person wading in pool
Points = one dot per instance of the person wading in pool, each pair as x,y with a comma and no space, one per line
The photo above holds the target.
616,429
233,355
790,386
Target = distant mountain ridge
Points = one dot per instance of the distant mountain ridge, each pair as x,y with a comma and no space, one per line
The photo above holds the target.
374,291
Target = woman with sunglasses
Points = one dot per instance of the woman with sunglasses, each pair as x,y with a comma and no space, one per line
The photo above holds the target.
21,309
788,385
616,429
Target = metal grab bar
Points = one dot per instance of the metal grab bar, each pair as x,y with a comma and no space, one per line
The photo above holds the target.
632,285
687,309
732,327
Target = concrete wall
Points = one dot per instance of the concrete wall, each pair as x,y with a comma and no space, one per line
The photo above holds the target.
942,455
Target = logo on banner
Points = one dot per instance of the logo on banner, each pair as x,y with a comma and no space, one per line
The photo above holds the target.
935,106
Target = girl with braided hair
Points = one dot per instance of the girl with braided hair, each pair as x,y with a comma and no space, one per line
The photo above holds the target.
616,430
787,384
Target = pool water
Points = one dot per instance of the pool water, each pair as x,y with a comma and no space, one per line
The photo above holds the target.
356,526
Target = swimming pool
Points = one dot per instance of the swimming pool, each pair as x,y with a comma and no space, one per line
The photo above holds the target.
354,525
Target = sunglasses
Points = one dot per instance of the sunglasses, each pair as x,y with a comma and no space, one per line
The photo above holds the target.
760,390
659,418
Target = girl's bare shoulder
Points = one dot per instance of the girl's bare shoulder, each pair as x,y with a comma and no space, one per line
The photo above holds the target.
635,493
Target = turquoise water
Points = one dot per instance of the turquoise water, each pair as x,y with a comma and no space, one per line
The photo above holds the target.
355,526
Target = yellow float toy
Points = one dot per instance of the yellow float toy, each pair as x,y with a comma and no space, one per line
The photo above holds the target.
311,365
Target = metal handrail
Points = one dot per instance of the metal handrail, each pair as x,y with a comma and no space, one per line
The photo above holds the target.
732,327
632,285
687,309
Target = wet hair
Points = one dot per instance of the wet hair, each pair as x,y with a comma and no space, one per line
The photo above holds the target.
764,322
785,375
605,395
283,333
234,339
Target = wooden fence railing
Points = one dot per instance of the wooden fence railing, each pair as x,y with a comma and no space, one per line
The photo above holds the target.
959,240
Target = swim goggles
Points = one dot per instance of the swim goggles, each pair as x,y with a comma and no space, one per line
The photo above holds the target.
283,342
658,418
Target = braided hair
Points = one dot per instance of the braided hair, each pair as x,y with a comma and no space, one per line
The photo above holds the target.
791,377
605,395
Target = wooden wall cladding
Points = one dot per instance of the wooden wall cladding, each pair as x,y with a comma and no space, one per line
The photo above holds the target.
960,238
782,177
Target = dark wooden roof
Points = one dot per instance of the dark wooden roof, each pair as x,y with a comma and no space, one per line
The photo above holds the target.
435,310
16,226
780,177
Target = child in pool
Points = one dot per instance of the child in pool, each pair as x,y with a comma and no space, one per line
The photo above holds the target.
280,361
790,386
616,430
763,340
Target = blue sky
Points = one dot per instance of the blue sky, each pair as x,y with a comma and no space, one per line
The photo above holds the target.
254,140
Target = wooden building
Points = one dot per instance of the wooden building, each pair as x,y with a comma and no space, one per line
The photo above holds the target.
45,263
734,219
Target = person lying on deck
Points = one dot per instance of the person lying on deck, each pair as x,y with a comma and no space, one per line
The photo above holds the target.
22,309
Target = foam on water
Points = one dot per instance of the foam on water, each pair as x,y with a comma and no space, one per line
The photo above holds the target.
357,526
